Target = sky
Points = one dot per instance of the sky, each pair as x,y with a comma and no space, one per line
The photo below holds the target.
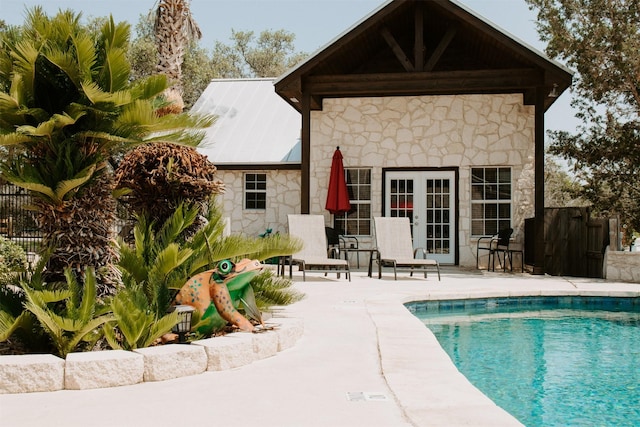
315,23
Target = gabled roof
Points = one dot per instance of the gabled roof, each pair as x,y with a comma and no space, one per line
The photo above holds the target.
253,126
422,47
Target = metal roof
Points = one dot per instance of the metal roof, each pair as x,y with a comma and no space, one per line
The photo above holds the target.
254,125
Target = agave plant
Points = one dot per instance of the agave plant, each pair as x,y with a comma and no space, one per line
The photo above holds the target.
67,107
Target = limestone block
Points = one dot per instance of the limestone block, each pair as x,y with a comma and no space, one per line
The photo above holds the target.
31,373
289,331
265,344
229,351
101,369
165,362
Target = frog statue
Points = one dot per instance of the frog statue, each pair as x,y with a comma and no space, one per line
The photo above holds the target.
209,293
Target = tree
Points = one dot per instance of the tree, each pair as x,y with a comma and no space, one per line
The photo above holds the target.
600,39
66,108
244,57
269,55
560,189
174,29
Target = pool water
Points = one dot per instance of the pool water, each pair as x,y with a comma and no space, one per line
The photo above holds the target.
547,366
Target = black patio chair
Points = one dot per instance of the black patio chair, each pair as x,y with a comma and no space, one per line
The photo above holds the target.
497,245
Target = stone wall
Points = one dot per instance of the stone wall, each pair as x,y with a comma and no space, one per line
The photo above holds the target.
283,198
622,266
428,131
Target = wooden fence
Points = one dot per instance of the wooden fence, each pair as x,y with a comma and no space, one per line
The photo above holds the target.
574,242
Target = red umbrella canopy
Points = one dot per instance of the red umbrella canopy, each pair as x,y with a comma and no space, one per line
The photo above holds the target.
337,194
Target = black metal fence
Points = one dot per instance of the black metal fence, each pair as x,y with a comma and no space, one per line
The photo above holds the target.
17,222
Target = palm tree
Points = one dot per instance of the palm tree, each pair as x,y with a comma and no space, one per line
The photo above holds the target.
67,107
174,28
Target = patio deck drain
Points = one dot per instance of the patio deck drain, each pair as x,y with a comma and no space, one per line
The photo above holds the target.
364,396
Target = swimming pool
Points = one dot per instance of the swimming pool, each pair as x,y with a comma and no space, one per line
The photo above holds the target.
549,361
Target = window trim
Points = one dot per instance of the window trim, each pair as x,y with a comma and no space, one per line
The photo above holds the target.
344,217
254,191
484,202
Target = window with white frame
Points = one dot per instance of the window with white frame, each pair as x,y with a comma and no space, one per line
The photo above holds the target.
356,222
255,191
490,200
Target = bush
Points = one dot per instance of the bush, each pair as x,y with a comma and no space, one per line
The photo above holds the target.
13,260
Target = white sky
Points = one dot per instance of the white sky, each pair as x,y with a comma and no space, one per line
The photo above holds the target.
314,23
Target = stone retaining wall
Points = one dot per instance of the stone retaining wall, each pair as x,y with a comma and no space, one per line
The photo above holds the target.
112,368
622,266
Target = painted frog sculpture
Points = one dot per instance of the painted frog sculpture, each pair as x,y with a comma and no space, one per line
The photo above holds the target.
209,293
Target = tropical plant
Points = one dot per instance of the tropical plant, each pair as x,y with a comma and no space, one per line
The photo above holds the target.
160,177
174,29
161,259
135,324
69,315
67,107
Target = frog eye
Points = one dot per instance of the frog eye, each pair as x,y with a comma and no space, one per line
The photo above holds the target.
225,266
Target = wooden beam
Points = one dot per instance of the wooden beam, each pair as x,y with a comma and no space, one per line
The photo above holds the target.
423,83
539,249
305,178
418,39
397,50
440,49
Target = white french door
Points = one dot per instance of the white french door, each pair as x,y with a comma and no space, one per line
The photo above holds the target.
427,198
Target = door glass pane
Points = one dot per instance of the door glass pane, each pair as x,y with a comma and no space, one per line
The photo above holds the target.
437,215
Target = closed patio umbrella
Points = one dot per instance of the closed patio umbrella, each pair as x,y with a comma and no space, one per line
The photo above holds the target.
337,194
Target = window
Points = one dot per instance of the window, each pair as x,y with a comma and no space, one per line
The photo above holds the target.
490,200
356,222
255,191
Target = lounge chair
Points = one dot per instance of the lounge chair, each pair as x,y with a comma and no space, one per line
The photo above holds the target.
394,248
313,256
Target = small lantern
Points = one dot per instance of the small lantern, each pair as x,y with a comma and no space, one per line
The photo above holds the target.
183,327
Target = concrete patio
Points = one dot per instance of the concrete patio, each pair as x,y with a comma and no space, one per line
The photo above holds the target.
363,360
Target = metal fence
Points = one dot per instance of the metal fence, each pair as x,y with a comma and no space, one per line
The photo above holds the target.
17,223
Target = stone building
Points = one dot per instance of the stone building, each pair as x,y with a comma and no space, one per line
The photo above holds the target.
439,115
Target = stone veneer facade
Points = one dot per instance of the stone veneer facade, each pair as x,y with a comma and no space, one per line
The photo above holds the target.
283,198
622,266
460,131
428,131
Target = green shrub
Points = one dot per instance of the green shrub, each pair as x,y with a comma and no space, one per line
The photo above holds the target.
13,260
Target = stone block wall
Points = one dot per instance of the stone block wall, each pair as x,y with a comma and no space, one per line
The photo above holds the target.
459,131
283,198
622,266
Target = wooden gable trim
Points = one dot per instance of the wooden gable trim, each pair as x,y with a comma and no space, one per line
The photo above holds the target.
397,50
440,49
424,83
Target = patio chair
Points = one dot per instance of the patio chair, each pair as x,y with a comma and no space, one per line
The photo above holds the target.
394,248
340,244
314,254
496,245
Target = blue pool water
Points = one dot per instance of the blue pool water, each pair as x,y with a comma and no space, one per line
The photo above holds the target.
557,361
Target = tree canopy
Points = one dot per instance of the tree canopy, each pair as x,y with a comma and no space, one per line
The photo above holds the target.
600,40
246,55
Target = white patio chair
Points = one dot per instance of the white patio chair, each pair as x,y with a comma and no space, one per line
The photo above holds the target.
394,248
313,256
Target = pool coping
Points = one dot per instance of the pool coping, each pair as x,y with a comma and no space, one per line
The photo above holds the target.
433,372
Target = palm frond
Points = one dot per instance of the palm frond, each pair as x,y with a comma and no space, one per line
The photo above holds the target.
96,95
149,88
